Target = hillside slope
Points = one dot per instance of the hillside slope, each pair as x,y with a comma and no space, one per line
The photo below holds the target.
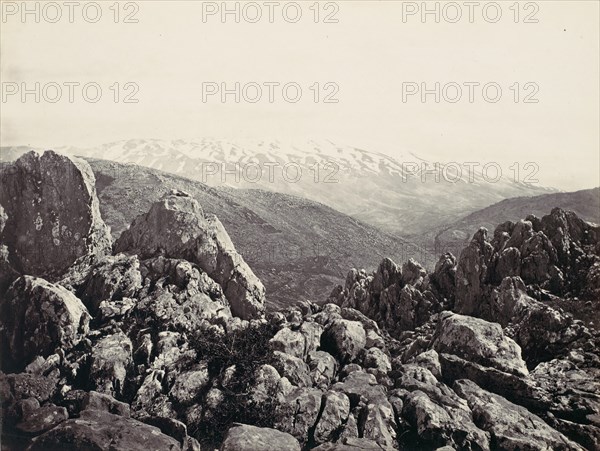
300,249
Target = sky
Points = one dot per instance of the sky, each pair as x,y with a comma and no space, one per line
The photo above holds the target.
357,71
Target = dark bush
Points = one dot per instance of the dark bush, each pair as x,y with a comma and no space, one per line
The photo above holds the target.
247,349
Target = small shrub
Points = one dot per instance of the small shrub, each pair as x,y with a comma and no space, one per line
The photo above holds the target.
248,349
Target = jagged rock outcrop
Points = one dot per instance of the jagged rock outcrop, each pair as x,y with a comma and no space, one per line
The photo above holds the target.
553,256
109,278
53,215
472,274
509,278
397,298
176,227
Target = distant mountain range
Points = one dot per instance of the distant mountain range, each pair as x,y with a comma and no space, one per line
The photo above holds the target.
382,191
299,248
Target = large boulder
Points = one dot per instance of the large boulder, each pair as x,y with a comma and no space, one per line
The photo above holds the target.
243,437
298,412
512,427
344,339
95,429
39,317
290,342
53,214
334,415
377,420
176,227
42,419
188,385
571,391
478,341
295,369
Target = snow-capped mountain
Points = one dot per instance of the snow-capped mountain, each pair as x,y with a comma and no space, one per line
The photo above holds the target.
404,195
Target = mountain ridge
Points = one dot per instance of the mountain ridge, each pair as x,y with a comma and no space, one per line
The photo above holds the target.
401,194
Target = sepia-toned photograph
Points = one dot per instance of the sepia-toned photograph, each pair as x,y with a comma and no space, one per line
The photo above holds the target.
352,225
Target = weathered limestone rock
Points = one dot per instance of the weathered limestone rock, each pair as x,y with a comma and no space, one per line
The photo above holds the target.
472,274
95,429
53,213
298,413
111,357
345,339
40,317
176,227
188,385
335,413
42,420
112,278
479,341
511,426
101,401
297,372
243,437
290,342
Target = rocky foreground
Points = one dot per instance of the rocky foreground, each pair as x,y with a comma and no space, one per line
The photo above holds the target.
160,341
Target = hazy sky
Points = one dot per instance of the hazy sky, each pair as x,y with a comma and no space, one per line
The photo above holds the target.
368,55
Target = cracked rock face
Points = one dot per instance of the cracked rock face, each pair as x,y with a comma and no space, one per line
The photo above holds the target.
53,214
